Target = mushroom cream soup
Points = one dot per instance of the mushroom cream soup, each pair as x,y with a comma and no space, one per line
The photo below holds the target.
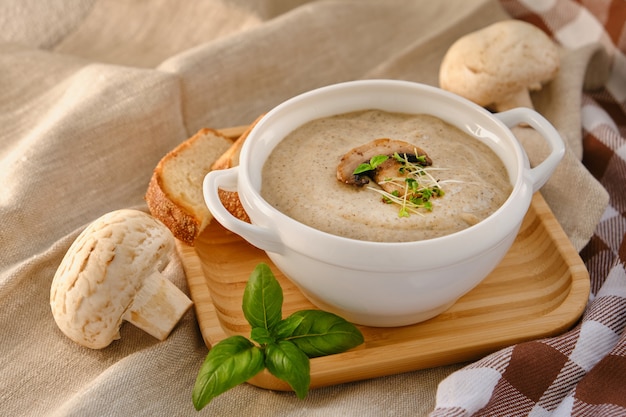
300,178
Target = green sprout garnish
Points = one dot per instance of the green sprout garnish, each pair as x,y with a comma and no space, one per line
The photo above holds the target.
374,162
415,179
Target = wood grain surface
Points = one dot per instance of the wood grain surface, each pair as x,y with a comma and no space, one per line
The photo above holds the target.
539,289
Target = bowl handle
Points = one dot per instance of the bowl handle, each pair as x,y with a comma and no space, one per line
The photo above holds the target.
540,174
262,238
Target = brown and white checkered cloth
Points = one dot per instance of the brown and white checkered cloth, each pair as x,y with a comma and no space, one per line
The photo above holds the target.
582,372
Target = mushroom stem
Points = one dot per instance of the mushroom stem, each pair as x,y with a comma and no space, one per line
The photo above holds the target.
520,98
157,306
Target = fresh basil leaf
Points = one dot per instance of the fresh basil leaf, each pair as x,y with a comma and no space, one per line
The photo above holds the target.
322,333
261,335
286,327
229,363
262,298
285,361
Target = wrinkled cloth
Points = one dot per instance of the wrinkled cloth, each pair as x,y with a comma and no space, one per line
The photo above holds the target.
94,92
582,372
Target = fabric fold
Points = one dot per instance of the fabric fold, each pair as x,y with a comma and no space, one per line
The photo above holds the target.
576,373
91,102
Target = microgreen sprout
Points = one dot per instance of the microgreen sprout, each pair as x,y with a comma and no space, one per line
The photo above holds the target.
374,162
412,189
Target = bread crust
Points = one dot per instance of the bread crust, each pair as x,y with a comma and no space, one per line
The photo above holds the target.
231,202
230,158
185,222
184,225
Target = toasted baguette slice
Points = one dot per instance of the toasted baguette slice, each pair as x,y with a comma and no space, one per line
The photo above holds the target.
231,202
174,193
230,158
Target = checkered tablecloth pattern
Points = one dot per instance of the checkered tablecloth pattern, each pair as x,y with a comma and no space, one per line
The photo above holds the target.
582,372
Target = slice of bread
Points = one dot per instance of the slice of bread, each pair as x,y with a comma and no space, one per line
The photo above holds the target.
231,202
230,158
174,194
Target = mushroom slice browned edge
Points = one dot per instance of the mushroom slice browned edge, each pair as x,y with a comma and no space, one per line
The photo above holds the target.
362,154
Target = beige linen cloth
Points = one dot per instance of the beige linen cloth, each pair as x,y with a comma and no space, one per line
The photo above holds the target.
94,92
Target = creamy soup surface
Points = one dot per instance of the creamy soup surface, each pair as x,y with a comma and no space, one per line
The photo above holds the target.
299,177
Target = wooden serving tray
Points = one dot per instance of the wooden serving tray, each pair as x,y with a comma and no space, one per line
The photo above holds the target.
539,289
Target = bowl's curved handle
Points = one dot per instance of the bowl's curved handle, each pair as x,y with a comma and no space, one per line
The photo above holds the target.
262,238
540,174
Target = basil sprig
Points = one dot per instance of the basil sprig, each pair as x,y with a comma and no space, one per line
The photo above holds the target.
283,346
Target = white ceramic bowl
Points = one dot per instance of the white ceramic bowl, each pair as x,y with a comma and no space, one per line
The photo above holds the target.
373,283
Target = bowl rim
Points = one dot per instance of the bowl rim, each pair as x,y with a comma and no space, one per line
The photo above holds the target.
317,243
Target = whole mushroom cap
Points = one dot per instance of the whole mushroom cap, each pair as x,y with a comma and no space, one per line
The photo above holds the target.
498,65
117,270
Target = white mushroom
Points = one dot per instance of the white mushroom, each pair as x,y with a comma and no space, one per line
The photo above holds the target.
497,66
117,270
